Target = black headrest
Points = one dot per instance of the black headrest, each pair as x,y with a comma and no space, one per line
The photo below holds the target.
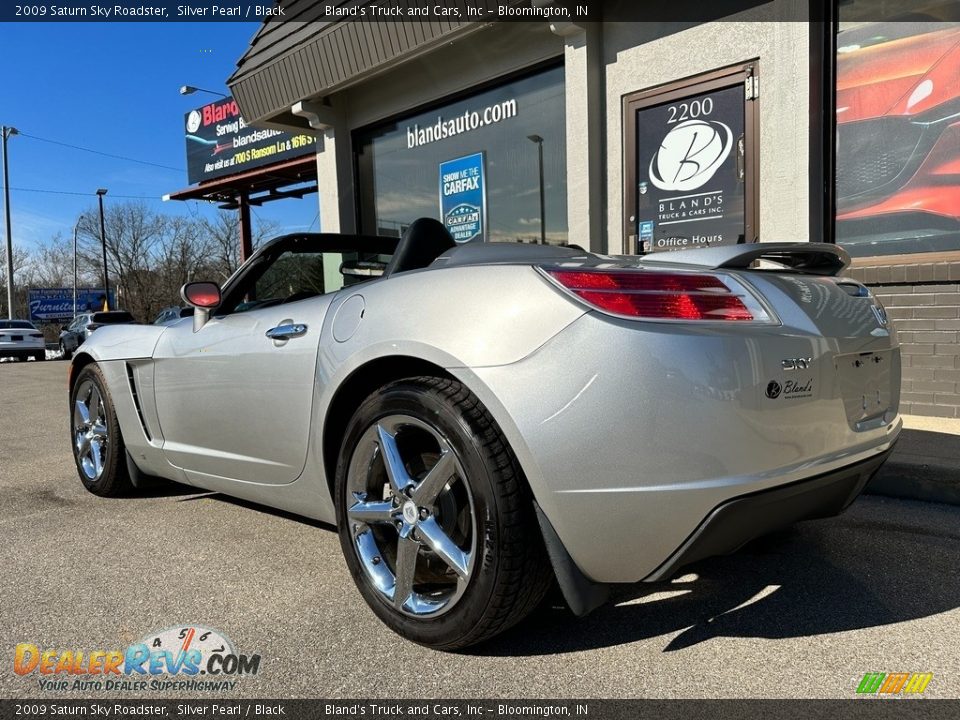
422,243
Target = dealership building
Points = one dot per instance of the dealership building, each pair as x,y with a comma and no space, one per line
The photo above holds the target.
626,137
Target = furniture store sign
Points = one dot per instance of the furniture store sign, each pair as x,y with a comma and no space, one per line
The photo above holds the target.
690,179
463,197
56,304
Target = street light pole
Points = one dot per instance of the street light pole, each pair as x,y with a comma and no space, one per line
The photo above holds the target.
190,90
7,132
76,226
543,220
103,244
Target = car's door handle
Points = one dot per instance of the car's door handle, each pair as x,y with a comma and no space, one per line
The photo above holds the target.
285,332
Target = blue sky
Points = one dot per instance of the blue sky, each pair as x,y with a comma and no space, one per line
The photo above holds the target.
111,87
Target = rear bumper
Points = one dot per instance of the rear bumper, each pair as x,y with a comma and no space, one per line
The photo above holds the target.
21,351
740,520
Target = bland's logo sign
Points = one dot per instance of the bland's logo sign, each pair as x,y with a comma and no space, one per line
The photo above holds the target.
690,184
690,154
219,142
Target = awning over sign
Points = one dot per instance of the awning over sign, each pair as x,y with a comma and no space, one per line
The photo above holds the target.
292,178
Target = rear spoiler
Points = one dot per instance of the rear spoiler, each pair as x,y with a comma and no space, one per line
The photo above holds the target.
809,258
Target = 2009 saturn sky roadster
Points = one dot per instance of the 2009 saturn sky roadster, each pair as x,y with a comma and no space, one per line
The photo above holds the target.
482,420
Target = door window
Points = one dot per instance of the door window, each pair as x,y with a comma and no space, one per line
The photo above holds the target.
291,276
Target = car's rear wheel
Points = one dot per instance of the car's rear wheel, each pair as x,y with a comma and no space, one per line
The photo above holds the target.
42,355
435,518
98,448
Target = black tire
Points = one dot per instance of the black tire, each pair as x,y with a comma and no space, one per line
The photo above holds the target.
64,354
113,479
40,356
511,571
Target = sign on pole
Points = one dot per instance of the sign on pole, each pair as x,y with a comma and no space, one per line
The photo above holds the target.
50,305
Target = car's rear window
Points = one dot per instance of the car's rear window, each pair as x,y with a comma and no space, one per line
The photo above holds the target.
111,317
16,325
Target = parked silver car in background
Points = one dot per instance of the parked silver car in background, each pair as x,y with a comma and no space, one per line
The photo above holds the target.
482,420
21,340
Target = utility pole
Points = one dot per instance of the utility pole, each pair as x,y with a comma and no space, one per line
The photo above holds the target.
103,245
7,132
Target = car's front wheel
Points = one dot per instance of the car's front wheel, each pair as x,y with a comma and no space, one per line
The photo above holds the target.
435,518
64,353
95,433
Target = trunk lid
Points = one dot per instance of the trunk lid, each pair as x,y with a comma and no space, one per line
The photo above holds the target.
833,340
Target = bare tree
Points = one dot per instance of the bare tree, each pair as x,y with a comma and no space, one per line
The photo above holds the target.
151,255
21,266
221,236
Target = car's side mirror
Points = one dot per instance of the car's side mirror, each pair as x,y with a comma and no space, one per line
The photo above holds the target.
203,297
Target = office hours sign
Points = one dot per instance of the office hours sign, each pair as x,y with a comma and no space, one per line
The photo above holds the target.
690,172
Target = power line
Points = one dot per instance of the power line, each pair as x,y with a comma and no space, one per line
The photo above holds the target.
90,194
98,152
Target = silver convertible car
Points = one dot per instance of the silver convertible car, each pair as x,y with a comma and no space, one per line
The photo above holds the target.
483,420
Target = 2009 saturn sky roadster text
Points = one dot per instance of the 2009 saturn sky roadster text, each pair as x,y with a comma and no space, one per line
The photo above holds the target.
481,420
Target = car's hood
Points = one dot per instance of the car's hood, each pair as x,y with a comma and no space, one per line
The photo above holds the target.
901,77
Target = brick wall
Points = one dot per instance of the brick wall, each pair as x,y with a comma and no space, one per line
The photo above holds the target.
923,303
927,318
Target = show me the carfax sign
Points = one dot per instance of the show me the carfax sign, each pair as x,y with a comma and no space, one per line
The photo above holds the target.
463,197
219,142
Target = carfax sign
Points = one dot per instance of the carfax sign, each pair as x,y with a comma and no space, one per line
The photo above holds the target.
463,197
56,304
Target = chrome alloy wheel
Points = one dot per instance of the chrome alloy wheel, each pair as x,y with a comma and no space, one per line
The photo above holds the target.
411,516
90,430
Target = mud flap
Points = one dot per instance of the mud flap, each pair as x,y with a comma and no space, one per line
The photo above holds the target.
582,595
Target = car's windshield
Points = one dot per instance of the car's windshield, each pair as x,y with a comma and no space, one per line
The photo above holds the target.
16,325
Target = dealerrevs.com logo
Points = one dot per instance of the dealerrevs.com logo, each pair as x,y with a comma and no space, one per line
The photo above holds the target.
182,658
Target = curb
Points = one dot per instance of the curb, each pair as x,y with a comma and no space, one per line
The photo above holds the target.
925,465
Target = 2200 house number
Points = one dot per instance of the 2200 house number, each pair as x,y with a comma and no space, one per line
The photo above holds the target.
689,110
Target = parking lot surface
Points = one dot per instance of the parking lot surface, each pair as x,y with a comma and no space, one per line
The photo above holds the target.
804,613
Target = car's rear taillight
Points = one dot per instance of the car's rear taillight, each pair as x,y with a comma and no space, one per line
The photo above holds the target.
661,295
36,335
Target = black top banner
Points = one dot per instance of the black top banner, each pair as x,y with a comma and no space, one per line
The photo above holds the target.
574,11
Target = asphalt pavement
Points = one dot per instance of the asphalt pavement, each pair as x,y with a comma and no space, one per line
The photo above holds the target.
804,613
